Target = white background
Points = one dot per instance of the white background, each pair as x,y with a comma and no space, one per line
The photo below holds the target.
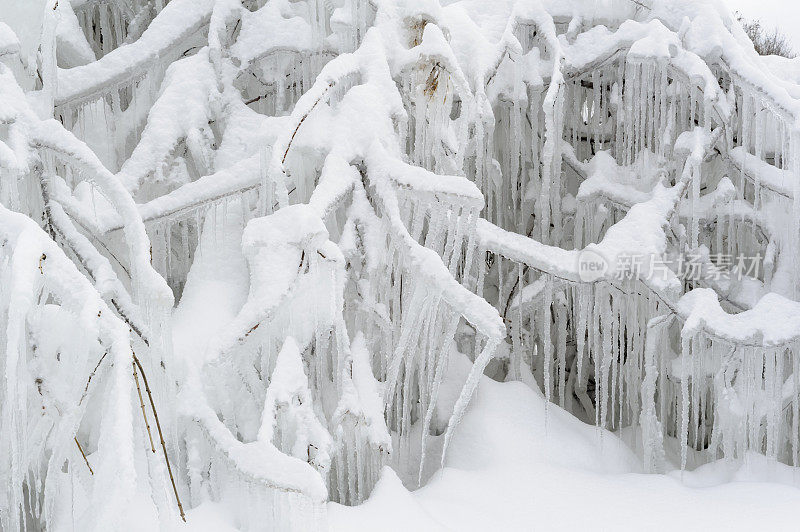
784,14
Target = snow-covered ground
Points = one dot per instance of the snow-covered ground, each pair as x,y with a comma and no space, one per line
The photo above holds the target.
513,467
515,464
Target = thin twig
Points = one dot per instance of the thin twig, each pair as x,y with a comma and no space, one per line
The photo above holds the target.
514,289
160,434
144,412
257,98
516,283
86,389
640,4
303,119
84,455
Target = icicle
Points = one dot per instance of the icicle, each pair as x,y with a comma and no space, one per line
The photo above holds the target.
516,338
551,157
546,324
167,229
185,255
441,365
561,346
794,352
466,393
698,354
652,437
686,343
583,312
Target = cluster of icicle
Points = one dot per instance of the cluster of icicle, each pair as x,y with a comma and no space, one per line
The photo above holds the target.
80,400
718,397
714,393
370,265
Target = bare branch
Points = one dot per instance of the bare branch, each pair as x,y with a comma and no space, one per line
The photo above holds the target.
84,455
144,412
160,434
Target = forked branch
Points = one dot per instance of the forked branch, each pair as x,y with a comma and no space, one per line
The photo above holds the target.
160,434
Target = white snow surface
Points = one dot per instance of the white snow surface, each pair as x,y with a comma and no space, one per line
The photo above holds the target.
515,464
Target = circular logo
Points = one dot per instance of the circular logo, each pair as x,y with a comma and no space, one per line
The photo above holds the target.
591,265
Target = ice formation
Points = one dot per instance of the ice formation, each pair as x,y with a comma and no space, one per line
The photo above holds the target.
360,190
